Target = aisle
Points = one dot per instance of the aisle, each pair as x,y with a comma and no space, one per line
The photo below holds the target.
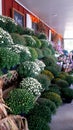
63,120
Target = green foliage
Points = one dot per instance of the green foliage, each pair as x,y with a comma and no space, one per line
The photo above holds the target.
62,83
34,54
53,70
67,94
5,39
8,24
20,101
51,48
28,69
19,30
49,61
1,73
2,22
39,52
8,58
31,85
37,123
11,26
29,41
69,79
62,76
28,31
48,73
48,103
42,112
41,36
53,97
46,52
43,79
55,80
44,43
64,73
23,51
18,39
54,88
38,42
57,67
65,76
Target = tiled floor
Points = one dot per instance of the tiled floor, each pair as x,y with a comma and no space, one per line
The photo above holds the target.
63,120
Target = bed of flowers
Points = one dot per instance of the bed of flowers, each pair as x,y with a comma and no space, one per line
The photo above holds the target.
41,85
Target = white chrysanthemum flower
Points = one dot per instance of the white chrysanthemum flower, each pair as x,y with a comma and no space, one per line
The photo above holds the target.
20,48
40,64
6,18
31,68
5,37
2,19
32,85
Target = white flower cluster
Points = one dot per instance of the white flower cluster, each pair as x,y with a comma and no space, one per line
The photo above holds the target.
31,41
10,19
2,19
40,64
5,19
5,37
32,85
32,68
19,48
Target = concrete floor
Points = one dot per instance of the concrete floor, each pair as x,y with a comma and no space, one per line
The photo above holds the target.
63,120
